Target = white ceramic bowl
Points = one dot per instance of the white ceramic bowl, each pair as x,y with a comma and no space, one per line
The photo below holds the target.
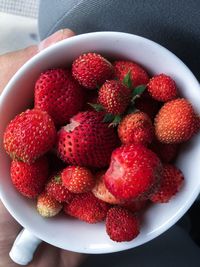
71,234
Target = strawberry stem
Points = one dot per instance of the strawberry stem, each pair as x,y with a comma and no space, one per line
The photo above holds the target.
97,107
108,117
116,121
127,81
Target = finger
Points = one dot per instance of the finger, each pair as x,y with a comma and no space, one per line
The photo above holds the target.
9,228
71,259
56,37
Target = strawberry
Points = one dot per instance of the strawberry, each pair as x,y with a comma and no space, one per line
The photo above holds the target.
114,97
77,179
48,206
29,179
166,152
57,190
57,93
121,224
147,105
136,128
91,70
135,206
176,122
29,135
138,73
87,207
170,184
133,173
162,88
87,140
101,192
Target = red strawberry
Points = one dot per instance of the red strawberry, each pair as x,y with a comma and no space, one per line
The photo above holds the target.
121,224
29,135
48,206
92,70
136,128
147,105
162,88
57,190
176,122
77,179
138,74
166,152
57,93
133,173
101,192
87,140
29,180
87,207
135,206
114,97
171,183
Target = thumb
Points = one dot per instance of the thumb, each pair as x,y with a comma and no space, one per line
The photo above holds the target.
11,62
55,37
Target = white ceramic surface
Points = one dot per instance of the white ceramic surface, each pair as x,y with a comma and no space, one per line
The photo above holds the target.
72,234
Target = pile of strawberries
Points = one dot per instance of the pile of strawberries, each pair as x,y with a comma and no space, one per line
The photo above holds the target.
100,142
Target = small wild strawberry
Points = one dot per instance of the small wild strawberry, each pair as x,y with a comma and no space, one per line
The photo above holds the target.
170,184
91,70
139,75
29,135
162,88
114,97
136,128
87,207
176,122
77,179
57,190
29,179
57,93
100,191
48,206
121,224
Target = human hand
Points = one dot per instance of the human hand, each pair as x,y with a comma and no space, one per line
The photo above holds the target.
46,255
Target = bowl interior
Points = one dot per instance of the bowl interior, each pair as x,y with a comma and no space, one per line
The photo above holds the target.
69,233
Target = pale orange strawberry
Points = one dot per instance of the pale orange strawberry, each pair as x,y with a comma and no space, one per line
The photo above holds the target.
100,191
48,206
136,128
176,122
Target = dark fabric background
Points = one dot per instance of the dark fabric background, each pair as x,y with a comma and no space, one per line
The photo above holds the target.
174,24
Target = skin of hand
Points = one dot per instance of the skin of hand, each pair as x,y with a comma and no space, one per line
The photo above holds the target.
46,255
